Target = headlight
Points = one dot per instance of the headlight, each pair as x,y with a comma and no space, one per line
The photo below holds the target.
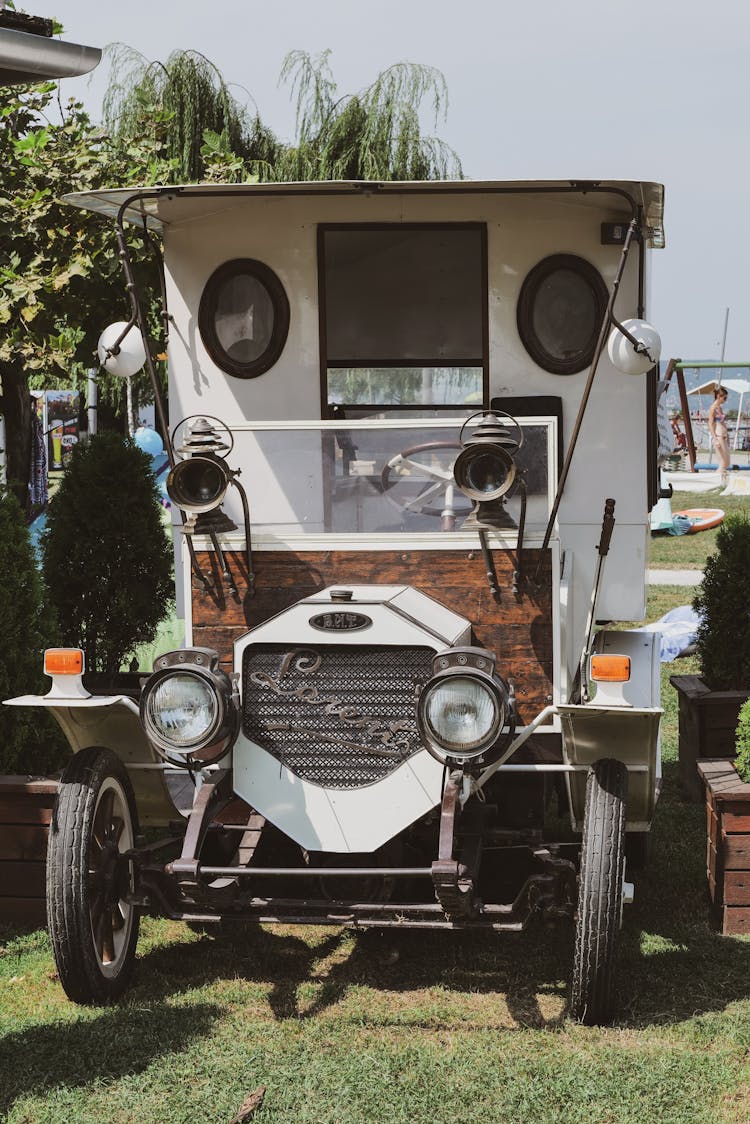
461,713
189,707
182,710
464,708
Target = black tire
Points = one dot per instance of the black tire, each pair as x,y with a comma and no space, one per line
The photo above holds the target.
600,893
93,929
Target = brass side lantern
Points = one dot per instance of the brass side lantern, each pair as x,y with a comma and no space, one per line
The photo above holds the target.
485,470
198,483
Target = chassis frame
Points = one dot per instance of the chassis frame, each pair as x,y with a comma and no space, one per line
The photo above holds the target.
189,890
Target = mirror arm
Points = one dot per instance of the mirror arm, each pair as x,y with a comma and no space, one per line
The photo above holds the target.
607,320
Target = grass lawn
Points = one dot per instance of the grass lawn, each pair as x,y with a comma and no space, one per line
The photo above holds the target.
458,1029
688,552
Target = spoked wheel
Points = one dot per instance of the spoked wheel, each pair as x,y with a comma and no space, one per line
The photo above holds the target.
92,925
600,895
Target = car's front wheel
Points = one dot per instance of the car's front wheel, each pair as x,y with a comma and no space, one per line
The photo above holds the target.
600,894
92,923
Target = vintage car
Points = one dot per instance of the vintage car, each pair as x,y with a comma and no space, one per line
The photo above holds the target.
412,445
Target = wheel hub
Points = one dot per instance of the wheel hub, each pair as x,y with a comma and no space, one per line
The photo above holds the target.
114,873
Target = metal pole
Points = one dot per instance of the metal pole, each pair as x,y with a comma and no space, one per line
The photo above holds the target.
129,399
724,337
735,443
138,318
92,399
696,365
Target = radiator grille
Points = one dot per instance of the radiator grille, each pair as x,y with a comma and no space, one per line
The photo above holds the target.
338,715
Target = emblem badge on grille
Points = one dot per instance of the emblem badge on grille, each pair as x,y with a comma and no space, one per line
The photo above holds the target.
338,621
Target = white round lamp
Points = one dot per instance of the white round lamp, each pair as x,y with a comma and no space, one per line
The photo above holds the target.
623,354
130,355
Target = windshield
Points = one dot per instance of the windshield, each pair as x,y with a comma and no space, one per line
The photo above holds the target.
378,477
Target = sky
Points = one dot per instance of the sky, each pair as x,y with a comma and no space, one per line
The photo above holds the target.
604,89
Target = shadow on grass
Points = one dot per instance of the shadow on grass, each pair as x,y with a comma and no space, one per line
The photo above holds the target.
519,969
668,971
673,964
116,1042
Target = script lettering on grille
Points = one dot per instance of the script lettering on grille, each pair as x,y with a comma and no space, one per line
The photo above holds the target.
390,735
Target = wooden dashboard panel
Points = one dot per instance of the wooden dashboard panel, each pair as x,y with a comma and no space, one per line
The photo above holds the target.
518,629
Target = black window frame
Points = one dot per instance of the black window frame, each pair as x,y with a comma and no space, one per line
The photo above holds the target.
263,273
532,283
333,410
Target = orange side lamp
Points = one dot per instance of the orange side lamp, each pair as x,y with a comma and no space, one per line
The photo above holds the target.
610,669
63,661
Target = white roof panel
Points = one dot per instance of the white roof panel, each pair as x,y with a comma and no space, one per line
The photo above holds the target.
161,206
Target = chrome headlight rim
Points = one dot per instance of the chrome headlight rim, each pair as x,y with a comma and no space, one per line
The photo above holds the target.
477,666
216,739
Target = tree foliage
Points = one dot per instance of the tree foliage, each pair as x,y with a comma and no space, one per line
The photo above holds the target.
375,134
210,133
29,741
742,742
170,122
60,275
723,636
107,561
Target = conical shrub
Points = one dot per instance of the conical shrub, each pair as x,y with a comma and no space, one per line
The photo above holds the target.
723,602
107,559
30,741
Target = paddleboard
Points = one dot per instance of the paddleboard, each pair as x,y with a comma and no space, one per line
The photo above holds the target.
702,518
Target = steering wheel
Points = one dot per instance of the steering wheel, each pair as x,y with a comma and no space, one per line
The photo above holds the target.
439,478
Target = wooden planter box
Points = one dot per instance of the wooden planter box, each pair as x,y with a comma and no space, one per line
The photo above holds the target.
25,814
707,727
728,847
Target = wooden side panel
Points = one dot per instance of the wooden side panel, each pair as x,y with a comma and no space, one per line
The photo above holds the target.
735,920
715,872
712,824
737,887
735,822
708,724
735,850
33,809
23,911
517,629
25,815
23,842
23,879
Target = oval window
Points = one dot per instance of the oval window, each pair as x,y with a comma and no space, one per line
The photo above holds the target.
244,317
560,312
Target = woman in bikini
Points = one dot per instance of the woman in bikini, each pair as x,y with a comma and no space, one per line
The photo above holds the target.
717,425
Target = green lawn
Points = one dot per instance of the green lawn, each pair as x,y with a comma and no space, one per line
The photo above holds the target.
458,1029
688,552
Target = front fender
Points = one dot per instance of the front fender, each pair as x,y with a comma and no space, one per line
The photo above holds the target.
113,721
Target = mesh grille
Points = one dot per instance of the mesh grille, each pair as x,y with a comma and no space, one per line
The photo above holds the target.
341,716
